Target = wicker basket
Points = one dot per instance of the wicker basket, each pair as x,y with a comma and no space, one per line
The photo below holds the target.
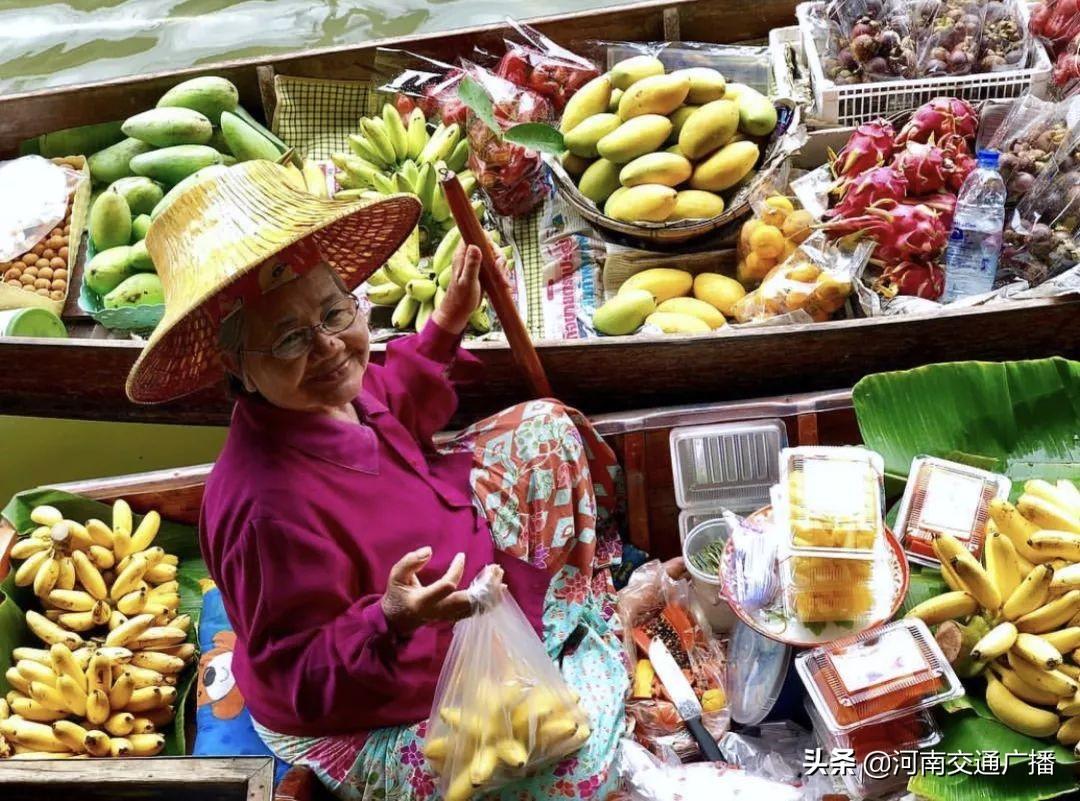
704,234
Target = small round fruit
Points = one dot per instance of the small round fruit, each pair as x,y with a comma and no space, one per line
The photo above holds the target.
777,208
798,226
767,242
757,266
789,248
748,230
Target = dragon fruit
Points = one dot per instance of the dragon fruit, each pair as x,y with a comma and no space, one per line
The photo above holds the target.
921,279
924,167
870,146
958,170
938,118
904,231
944,203
878,183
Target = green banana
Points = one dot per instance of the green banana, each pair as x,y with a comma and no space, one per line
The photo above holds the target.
385,185
444,278
441,144
354,193
379,277
423,289
385,294
508,254
405,312
427,185
440,209
468,182
412,173
417,133
375,131
395,130
366,150
426,308
457,160
478,208
401,181
480,319
444,253
440,296
401,271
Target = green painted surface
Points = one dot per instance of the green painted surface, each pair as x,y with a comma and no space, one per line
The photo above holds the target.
36,451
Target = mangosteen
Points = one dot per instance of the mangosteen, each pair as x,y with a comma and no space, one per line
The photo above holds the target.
847,59
959,59
934,66
1020,183
863,47
862,29
877,66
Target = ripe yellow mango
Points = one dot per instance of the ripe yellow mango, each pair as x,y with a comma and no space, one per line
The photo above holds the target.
706,84
613,197
696,204
581,141
708,128
590,99
624,313
656,168
660,94
631,70
599,180
674,323
726,167
757,114
719,291
642,203
613,103
574,165
678,119
663,283
693,307
634,138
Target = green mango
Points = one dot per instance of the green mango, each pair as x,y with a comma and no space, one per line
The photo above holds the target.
114,162
110,221
141,289
165,127
107,270
80,141
141,193
140,261
207,94
139,226
171,165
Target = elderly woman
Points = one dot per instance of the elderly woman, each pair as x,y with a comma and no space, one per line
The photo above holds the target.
341,536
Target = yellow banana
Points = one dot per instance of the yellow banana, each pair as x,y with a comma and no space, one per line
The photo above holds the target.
73,694
121,692
162,716
395,129
1017,714
97,707
1046,515
100,533
461,787
512,752
27,547
64,663
1069,707
1056,545
482,765
1054,494
161,573
48,696
183,651
556,729
33,654
132,603
1037,651
1069,733
157,637
120,724
18,681
51,633
35,671
45,579
129,630
1015,526
143,677
121,518
147,698
77,621
97,743
978,583
1030,594
99,674
1052,681
89,575
27,572
101,613
1069,493
30,734
5,710
71,600
141,725
71,734
168,588
146,745
128,579
1021,689
996,642
1052,616
30,709
119,747
1065,640
947,548
46,515
146,531
121,543
162,664
115,654
116,620
947,606
1066,578
82,656
100,557
151,555
73,534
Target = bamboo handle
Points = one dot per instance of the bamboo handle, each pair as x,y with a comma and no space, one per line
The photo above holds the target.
494,284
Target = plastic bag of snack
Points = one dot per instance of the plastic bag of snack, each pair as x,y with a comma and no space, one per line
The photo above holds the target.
949,36
817,278
655,605
512,176
1005,43
1028,140
534,62
417,81
502,709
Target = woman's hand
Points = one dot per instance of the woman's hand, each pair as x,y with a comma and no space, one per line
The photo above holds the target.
408,604
463,294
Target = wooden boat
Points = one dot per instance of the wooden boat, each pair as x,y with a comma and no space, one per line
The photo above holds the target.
640,439
83,377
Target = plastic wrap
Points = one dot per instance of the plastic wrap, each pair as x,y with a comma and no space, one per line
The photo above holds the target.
1056,23
1067,69
510,175
817,278
419,81
1005,43
534,62
949,38
745,64
502,709
34,201
1028,140
655,605
867,40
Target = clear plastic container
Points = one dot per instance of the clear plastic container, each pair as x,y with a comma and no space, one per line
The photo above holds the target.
950,498
878,675
702,550
756,670
831,501
825,590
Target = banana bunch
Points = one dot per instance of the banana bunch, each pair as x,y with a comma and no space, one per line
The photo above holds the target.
115,644
1028,595
416,288
503,731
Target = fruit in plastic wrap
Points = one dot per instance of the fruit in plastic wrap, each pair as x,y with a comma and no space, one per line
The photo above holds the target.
822,590
833,499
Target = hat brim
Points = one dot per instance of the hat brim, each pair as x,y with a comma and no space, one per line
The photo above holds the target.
354,237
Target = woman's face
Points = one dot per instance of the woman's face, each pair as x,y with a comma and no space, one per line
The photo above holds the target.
330,374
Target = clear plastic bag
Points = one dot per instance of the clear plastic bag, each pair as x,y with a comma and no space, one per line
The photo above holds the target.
1067,69
867,40
502,710
949,36
745,64
417,81
1005,41
1056,23
1028,140
34,201
534,62
817,278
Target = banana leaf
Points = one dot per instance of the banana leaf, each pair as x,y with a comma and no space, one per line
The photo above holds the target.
1016,418
175,538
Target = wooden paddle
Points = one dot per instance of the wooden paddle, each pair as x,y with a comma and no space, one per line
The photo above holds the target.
496,287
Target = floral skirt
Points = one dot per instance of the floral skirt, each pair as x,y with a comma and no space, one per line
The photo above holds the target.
549,487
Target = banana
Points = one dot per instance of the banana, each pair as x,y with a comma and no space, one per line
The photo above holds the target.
1069,733
99,674
49,697
45,579
26,574
1037,651
1070,707
422,315
71,600
120,724
440,206
30,709
395,129
384,184
133,603
64,663
1065,640
66,579
89,575
101,613
161,573
417,133
121,517
441,144
100,557
116,620
405,313
143,677
18,681
71,734
159,662
51,633
73,534
1052,681
1052,616
1056,544
1015,526
162,716
482,766
121,692
145,745
1066,578
46,515
422,289
140,725
436,748
385,294
1069,493
556,729
120,747
146,532
1017,714
169,588
157,637
1054,494
401,271
444,253
375,131
147,698
121,543
185,651
1002,563
1046,515
36,671
458,157
97,707
947,606
77,621
480,320
33,735
365,149
512,752
995,643
128,579
73,694
1021,689
427,186
947,548
440,296
100,533
97,743
27,547
115,655
401,184
978,583
33,655
1030,594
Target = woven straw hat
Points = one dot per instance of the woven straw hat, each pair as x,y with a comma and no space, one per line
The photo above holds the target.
217,232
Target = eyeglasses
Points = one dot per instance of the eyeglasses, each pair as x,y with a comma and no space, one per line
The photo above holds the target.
298,342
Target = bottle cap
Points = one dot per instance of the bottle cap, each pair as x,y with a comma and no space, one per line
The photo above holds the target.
988,158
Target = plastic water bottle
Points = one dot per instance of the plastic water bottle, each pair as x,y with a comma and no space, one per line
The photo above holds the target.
975,242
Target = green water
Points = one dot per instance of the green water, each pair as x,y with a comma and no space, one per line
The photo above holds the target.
45,43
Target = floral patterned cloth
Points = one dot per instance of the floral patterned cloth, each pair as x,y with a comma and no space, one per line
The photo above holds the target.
549,487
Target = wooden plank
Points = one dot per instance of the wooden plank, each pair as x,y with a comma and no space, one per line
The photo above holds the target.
84,379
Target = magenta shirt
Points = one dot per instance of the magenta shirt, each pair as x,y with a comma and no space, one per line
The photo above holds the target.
304,515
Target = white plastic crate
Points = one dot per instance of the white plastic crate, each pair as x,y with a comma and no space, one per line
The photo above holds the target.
853,104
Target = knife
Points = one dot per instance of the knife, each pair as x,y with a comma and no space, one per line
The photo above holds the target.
682,695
